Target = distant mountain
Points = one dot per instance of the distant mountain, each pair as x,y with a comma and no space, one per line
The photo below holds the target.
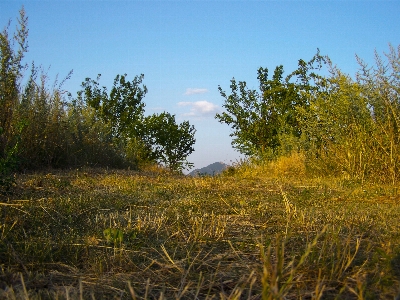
212,169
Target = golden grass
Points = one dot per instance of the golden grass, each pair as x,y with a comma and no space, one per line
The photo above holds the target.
258,232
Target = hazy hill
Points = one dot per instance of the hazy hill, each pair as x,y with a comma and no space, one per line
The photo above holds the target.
212,169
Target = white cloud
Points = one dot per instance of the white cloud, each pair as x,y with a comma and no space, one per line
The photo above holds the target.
156,108
191,91
200,108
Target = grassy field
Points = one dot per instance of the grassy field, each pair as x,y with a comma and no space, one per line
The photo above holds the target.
253,233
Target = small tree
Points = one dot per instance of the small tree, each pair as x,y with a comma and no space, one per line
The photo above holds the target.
171,143
123,107
119,111
260,118
263,121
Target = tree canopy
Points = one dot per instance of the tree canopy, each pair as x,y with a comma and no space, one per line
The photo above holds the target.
261,120
170,142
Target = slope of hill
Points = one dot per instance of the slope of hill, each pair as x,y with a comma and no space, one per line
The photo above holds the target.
212,169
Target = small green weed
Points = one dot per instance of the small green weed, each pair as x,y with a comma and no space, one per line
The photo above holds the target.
113,236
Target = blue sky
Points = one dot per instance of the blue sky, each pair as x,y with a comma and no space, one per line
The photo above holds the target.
186,49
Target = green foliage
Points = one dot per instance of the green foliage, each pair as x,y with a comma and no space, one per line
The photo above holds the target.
11,70
262,120
12,51
43,110
97,128
123,108
113,120
91,140
351,127
114,236
343,126
171,143
381,90
136,139
338,126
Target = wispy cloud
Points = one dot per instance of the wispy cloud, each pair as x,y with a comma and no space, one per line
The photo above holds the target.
200,108
194,91
156,108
